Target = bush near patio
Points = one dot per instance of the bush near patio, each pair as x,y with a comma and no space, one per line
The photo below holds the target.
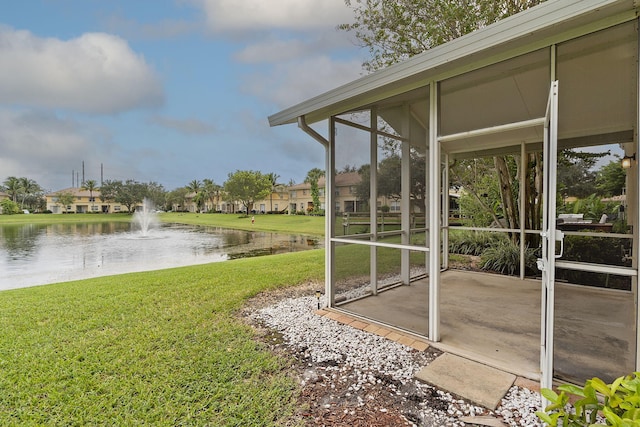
500,255
596,250
496,251
473,242
620,405
504,258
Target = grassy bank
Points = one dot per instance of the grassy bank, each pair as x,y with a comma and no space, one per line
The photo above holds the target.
156,348
62,218
295,224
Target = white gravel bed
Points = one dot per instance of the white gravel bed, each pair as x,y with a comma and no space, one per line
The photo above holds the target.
346,355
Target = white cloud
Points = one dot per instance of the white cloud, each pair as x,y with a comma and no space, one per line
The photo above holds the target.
164,29
273,49
94,73
47,148
185,126
251,15
40,146
296,41
293,82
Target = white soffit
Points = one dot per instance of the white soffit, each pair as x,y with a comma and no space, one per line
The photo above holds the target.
550,22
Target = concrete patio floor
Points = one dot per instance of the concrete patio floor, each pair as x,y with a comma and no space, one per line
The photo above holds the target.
495,320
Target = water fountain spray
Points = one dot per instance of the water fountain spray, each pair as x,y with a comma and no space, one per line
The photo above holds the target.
145,218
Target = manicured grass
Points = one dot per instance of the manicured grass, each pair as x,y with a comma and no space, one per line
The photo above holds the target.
161,348
296,224
293,224
62,218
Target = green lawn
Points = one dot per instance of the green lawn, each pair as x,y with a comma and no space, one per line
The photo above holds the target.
295,224
160,348
154,348
61,218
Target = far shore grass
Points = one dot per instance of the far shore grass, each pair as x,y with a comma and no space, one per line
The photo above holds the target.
159,348
294,224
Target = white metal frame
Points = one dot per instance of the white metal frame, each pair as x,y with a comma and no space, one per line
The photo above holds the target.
373,205
434,217
549,237
453,59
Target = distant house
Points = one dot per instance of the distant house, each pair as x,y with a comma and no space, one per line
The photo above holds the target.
345,198
84,202
277,201
219,204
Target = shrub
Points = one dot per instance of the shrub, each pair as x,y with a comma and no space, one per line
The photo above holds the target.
504,258
474,242
596,250
621,406
9,207
593,207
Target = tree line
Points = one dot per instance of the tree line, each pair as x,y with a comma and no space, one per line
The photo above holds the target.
24,193
242,186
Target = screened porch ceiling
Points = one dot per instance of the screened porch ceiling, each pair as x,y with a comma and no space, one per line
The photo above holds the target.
501,74
600,67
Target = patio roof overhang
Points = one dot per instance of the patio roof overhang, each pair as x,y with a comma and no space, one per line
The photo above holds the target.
536,28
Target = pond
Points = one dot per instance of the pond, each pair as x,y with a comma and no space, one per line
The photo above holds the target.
37,254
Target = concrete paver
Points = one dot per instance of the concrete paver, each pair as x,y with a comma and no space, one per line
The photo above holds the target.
481,384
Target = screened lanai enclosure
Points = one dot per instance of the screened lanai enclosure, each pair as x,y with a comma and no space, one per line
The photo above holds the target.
503,105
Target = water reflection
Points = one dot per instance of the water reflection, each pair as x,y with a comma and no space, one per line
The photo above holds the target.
37,254
19,241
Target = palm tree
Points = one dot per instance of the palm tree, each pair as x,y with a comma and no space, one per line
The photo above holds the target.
194,187
27,187
275,185
211,191
200,200
312,178
12,185
91,185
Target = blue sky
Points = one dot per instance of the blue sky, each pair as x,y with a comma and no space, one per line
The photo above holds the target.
164,90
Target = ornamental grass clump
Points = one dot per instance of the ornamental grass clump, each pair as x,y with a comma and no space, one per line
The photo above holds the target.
474,242
618,407
504,258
